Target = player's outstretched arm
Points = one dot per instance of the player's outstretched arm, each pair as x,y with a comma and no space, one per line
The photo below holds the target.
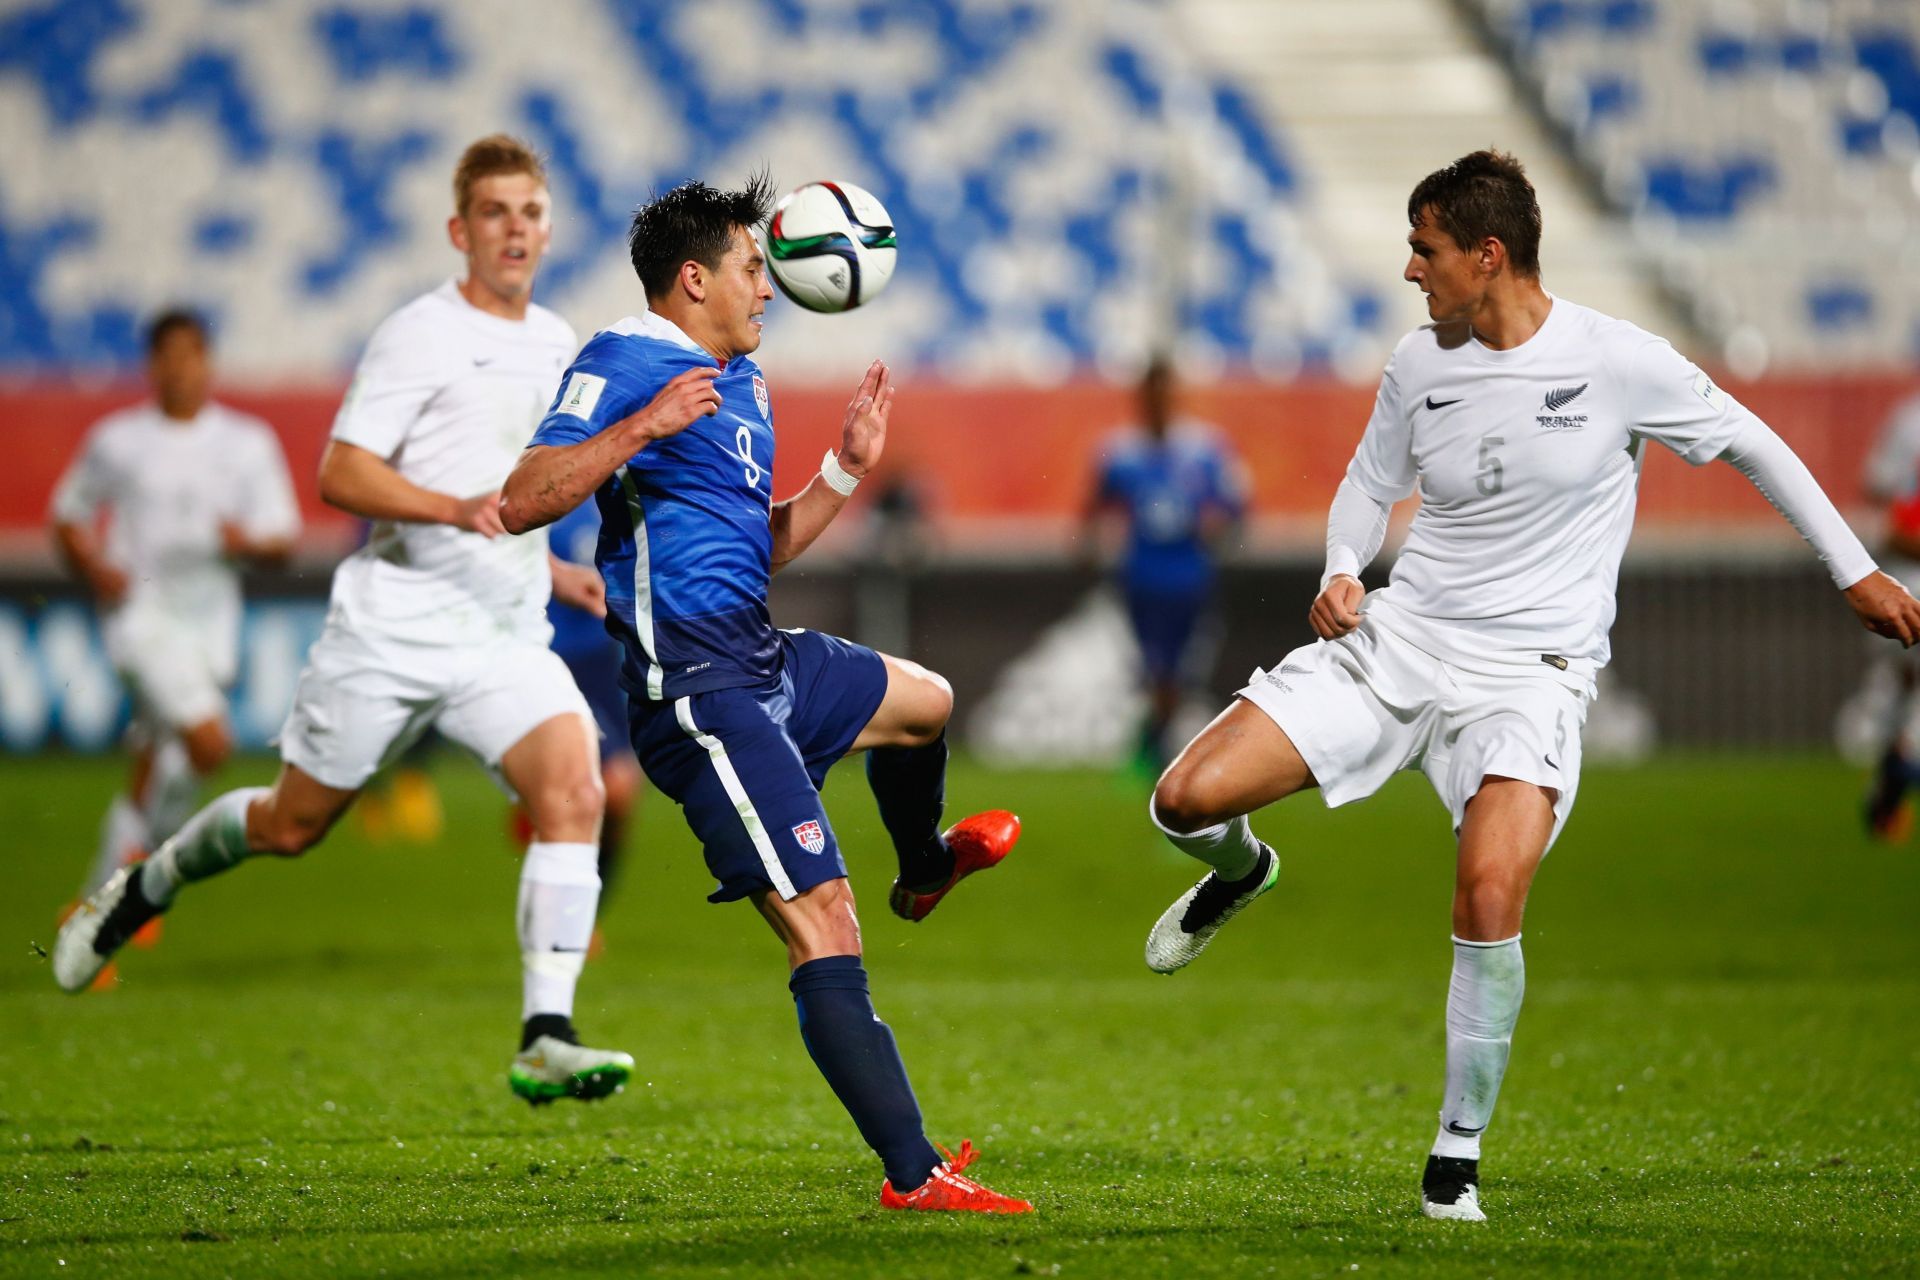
1883,606
863,437
552,479
362,483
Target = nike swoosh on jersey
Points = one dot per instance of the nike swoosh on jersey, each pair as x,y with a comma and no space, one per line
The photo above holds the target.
1441,404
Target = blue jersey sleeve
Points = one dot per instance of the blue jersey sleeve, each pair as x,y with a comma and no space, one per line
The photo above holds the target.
608,380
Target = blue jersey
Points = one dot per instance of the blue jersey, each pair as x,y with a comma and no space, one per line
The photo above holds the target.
685,545
1166,487
575,537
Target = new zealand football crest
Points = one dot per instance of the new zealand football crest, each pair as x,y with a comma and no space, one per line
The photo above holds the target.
760,398
809,834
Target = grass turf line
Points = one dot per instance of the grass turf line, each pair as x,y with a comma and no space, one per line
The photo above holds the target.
1714,1073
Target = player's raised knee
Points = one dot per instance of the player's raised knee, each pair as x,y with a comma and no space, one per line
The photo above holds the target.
287,835
1181,803
925,710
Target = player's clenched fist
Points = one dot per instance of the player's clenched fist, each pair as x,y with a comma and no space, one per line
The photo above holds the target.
1337,610
688,397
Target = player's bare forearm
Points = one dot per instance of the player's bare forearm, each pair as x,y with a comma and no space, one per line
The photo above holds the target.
266,552
80,550
550,480
361,483
802,518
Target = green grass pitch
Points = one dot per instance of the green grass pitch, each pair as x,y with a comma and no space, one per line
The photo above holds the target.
1717,1070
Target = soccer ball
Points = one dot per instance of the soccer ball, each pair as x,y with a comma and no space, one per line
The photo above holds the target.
830,246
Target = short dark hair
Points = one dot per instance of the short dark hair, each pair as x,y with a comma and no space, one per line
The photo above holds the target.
1480,195
176,318
693,222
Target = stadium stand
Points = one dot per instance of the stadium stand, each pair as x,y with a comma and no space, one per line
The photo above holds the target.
1766,151
1055,171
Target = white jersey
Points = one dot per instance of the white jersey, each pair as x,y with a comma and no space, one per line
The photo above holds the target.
449,395
1528,462
167,487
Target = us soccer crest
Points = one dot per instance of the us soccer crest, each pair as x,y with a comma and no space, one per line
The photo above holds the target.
809,834
760,398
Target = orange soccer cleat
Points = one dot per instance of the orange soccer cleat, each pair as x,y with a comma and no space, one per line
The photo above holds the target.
978,842
946,1190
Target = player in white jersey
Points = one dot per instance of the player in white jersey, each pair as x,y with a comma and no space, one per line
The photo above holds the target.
188,489
1522,418
438,620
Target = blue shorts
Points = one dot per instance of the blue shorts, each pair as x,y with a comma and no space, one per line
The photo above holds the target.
1164,623
747,764
597,672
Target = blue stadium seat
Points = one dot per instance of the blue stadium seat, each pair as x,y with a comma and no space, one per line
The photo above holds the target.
364,45
1839,305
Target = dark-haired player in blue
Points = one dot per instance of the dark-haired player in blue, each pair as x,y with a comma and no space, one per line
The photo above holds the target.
664,420
1180,489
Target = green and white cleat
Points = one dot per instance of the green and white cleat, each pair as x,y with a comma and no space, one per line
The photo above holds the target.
99,927
551,1068
1186,927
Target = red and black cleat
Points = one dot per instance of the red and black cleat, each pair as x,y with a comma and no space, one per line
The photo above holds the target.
977,843
947,1190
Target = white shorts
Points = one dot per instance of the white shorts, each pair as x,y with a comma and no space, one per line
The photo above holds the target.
177,671
362,701
1361,708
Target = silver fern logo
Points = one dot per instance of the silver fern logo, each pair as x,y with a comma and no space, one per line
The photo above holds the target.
1562,397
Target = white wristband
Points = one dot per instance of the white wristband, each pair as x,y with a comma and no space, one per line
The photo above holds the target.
836,476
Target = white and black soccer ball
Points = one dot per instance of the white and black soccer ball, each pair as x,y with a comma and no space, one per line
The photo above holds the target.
830,246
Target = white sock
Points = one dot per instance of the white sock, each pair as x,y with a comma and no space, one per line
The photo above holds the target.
123,834
211,841
1483,1003
173,788
559,893
1228,848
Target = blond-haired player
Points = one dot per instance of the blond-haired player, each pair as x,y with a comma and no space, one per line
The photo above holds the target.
440,619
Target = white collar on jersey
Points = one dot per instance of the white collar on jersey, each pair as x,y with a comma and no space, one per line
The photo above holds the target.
651,324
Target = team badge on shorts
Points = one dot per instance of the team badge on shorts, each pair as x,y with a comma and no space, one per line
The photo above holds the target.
809,834
760,398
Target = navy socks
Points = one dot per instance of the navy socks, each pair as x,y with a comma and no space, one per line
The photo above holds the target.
855,1052
910,784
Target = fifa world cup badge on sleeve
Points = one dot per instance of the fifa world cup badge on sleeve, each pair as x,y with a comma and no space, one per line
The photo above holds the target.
810,836
582,394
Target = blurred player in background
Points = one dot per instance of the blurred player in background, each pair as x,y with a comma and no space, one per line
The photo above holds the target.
593,656
437,620
665,421
189,490
1180,490
1893,478
1522,418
